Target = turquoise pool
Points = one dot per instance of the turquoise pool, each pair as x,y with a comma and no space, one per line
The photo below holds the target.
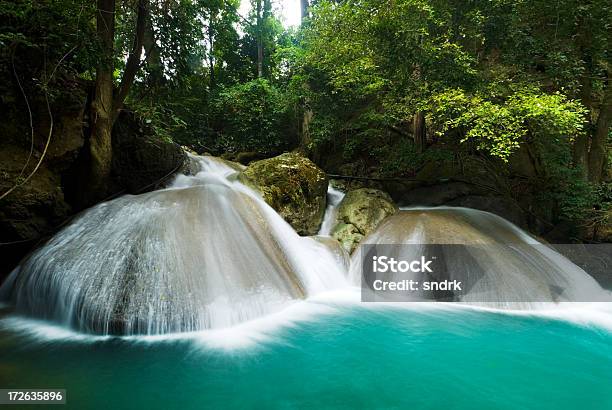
348,357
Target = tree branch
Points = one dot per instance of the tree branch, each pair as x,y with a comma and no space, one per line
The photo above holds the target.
42,156
25,97
133,61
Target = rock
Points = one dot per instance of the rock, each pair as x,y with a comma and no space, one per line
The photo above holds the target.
236,166
34,209
244,158
188,150
359,213
357,169
142,161
294,186
348,235
435,171
191,165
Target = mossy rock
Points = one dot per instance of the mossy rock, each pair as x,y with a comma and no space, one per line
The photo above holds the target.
294,186
348,236
359,213
236,166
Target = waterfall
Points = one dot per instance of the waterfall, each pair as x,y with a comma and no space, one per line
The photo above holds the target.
334,197
499,264
207,252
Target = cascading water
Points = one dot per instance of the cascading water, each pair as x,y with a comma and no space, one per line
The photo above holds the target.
209,253
498,264
205,253
334,197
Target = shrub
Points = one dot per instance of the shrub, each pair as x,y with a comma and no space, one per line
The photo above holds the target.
254,116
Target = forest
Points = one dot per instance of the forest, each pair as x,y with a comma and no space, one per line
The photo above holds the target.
504,105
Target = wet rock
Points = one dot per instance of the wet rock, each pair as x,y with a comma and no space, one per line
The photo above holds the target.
38,205
142,161
294,186
244,158
359,213
348,236
191,165
236,166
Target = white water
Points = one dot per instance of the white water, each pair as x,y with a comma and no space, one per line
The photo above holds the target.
334,197
205,253
501,265
209,254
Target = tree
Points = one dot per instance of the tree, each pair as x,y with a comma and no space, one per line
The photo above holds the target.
304,9
106,102
260,51
567,42
262,32
601,135
392,55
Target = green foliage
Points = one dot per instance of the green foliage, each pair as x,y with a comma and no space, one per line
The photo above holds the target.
273,37
400,158
490,76
162,119
574,197
253,116
41,40
371,66
499,126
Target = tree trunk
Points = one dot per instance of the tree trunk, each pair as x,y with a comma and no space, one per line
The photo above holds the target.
211,59
304,8
581,144
308,114
418,121
305,139
133,62
597,154
153,58
419,132
260,54
102,113
106,104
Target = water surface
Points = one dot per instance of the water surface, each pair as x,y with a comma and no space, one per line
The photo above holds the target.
350,357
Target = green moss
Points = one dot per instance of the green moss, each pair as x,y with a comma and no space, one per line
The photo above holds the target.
359,213
294,186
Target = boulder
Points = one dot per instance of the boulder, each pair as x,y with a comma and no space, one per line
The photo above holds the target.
347,235
359,213
38,205
191,166
236,166
243,157
294,186
141,160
